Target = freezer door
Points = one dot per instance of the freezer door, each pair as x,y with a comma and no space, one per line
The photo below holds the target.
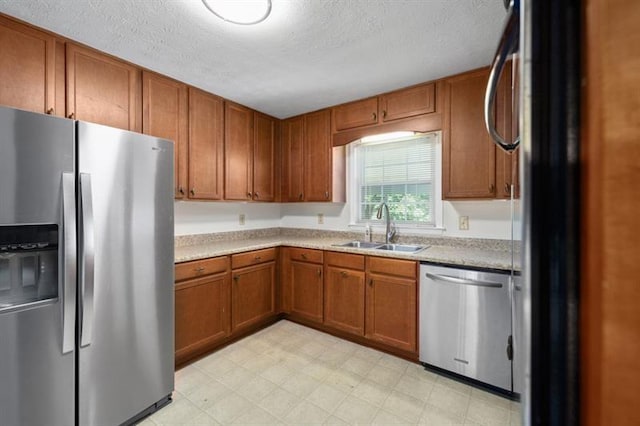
126,282
465,323
37,269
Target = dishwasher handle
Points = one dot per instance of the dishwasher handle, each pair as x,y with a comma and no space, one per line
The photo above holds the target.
463,281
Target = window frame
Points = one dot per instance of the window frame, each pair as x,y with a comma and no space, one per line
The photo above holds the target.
353,191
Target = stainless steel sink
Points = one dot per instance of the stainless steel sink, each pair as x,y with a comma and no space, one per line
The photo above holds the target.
381,246
400,247
359,244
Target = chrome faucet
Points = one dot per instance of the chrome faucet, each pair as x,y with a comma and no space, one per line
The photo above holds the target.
390,232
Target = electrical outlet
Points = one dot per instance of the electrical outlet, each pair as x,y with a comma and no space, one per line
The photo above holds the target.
241,219
320,218
463,223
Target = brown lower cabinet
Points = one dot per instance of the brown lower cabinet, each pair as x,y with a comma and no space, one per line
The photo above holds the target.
201,306
373,299
391,306
344,292
253,289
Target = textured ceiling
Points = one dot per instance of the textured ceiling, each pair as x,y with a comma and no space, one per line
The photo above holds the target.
307,55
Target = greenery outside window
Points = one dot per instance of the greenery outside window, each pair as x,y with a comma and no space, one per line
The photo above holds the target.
401,170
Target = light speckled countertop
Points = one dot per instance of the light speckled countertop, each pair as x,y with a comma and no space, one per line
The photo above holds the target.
494,254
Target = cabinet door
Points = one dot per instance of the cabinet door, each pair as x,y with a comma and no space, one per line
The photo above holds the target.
202,314
102,89
355,114
293,159
206,145
238,152
27,69
252,295
306,290
344,299
408,102
468,154
317,153
165,115
264,157
391,311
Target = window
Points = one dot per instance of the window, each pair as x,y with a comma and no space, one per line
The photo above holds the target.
403,171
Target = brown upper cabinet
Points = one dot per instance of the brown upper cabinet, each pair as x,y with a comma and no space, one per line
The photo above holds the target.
307,169
206,145
102,89
28,69
249,154
472,166
238,141
165,115
396,105
292,145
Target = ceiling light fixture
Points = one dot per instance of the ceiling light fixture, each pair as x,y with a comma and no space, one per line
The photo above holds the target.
243,12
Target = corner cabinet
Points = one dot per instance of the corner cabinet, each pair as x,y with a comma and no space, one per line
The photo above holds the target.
307,169
202,314
165,113
472,166
102,89
252,288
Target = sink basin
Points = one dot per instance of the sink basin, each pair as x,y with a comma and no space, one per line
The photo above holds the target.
359,244
400,247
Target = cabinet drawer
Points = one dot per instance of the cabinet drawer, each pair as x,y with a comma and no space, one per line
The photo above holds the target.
397,267
351,261
199,268
252,258
305,255
355,114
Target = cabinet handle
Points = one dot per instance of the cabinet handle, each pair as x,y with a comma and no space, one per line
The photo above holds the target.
492,188
319,272
304,256
326,195
248,195
374,116
50,111
384,113
344,274
371,282
257,258
236,278
300,197
193,191
181,190
72,116
507,189
256,195
199,270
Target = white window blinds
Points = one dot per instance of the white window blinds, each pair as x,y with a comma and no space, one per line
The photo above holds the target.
400,171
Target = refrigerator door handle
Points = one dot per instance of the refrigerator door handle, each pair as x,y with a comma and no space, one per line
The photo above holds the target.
87,250
69,275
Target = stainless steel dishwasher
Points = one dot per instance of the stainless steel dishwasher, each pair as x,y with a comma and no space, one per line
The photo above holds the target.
465,323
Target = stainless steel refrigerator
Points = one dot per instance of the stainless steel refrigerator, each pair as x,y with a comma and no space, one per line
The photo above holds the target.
86,272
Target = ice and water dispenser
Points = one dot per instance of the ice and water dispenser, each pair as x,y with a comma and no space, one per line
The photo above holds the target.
28,265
